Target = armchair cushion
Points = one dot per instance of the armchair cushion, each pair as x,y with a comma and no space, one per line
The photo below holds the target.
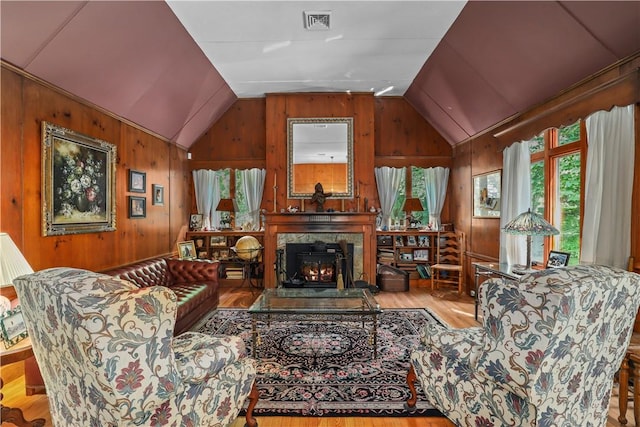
200,357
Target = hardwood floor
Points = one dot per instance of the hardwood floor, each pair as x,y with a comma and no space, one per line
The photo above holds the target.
458,312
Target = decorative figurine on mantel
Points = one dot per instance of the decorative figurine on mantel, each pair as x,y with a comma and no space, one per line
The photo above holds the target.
319,197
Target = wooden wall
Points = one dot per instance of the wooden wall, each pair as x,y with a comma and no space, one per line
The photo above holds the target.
388,132
27,102
617,85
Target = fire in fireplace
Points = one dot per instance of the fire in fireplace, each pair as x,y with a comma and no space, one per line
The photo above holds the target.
317,264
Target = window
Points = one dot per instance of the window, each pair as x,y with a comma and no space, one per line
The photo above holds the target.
556,188
419,191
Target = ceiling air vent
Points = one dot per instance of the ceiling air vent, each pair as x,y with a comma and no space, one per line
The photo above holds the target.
314,21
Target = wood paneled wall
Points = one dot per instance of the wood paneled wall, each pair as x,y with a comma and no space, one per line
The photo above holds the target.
617,85
387,132
27,102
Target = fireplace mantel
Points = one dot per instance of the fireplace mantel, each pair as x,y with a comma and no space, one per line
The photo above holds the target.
319,222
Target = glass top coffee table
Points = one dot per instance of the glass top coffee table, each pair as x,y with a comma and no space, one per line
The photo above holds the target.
310,304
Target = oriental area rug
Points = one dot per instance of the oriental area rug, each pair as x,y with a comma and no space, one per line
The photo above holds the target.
323,368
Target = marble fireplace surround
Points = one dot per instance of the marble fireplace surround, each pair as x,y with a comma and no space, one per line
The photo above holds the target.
329,227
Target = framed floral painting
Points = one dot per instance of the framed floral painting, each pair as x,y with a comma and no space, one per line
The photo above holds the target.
78,182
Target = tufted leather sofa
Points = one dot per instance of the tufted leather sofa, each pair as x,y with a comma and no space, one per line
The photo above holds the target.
195,283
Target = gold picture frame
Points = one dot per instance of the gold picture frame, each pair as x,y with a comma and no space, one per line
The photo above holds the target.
487,195
78,183
186,250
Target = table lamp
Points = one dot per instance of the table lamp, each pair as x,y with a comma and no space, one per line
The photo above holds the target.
12,262
530,224
227,205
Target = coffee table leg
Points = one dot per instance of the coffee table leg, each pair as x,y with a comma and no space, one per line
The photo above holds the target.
375,336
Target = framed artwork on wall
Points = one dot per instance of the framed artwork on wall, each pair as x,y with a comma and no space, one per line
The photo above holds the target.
137,207
486,195
158,195
78,183
137,181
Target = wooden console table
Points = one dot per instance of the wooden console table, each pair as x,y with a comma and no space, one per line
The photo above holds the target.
319,222
17,353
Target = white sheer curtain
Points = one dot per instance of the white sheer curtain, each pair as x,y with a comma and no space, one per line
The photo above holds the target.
516,198
205,182
253,187
388,181
435,181
606,230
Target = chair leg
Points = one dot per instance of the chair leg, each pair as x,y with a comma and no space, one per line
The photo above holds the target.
623,390
411,379
254,395
433,279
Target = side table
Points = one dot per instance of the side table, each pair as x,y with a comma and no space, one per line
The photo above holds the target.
17,353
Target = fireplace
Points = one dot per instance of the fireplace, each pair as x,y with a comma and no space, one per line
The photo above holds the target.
317,264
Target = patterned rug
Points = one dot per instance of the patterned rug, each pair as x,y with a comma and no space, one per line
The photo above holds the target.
313,367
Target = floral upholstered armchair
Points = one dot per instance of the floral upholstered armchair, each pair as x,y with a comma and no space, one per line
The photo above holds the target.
109,358
546,354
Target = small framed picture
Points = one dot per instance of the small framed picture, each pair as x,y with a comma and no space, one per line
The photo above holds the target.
187,250
421,255
224,253
406,256
411,241
202,255
218,241
195,222
158,195
137,207
12,327
423,241
558,259
399,241
137,181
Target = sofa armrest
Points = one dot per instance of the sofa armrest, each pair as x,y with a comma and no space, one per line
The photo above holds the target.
192,271
464,344
200,357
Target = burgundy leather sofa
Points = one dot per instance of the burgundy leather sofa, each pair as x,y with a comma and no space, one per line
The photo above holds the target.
195,283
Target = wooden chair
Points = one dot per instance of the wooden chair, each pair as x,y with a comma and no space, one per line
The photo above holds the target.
449,266
632,355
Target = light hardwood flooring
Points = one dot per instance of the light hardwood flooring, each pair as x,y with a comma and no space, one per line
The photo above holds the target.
456,311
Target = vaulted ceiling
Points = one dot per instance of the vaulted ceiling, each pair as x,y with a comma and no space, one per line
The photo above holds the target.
175,68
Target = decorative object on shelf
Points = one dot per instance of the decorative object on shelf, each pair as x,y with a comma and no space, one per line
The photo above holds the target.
186,250
486,195
319,197
137,207
558,259
195,222
158,194
137,181
421,255
218,241
12,265
228,206
412,204
247,248
78,183
529,224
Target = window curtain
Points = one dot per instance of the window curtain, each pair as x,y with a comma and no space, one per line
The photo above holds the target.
207,192
388,181
516,199
253,187
606,231
435,181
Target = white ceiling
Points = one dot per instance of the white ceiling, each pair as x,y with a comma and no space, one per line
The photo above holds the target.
262,46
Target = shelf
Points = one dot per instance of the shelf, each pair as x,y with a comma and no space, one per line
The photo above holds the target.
401,248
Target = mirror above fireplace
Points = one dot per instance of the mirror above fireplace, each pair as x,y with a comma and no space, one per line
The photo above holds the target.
320,150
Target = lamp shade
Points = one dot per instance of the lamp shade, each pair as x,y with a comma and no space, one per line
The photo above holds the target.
12,262
225,205
412,205
530,224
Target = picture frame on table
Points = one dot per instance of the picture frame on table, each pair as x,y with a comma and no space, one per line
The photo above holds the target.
78,182
487,194
195,222
186,250
557,259
137,207
12,327
137,181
